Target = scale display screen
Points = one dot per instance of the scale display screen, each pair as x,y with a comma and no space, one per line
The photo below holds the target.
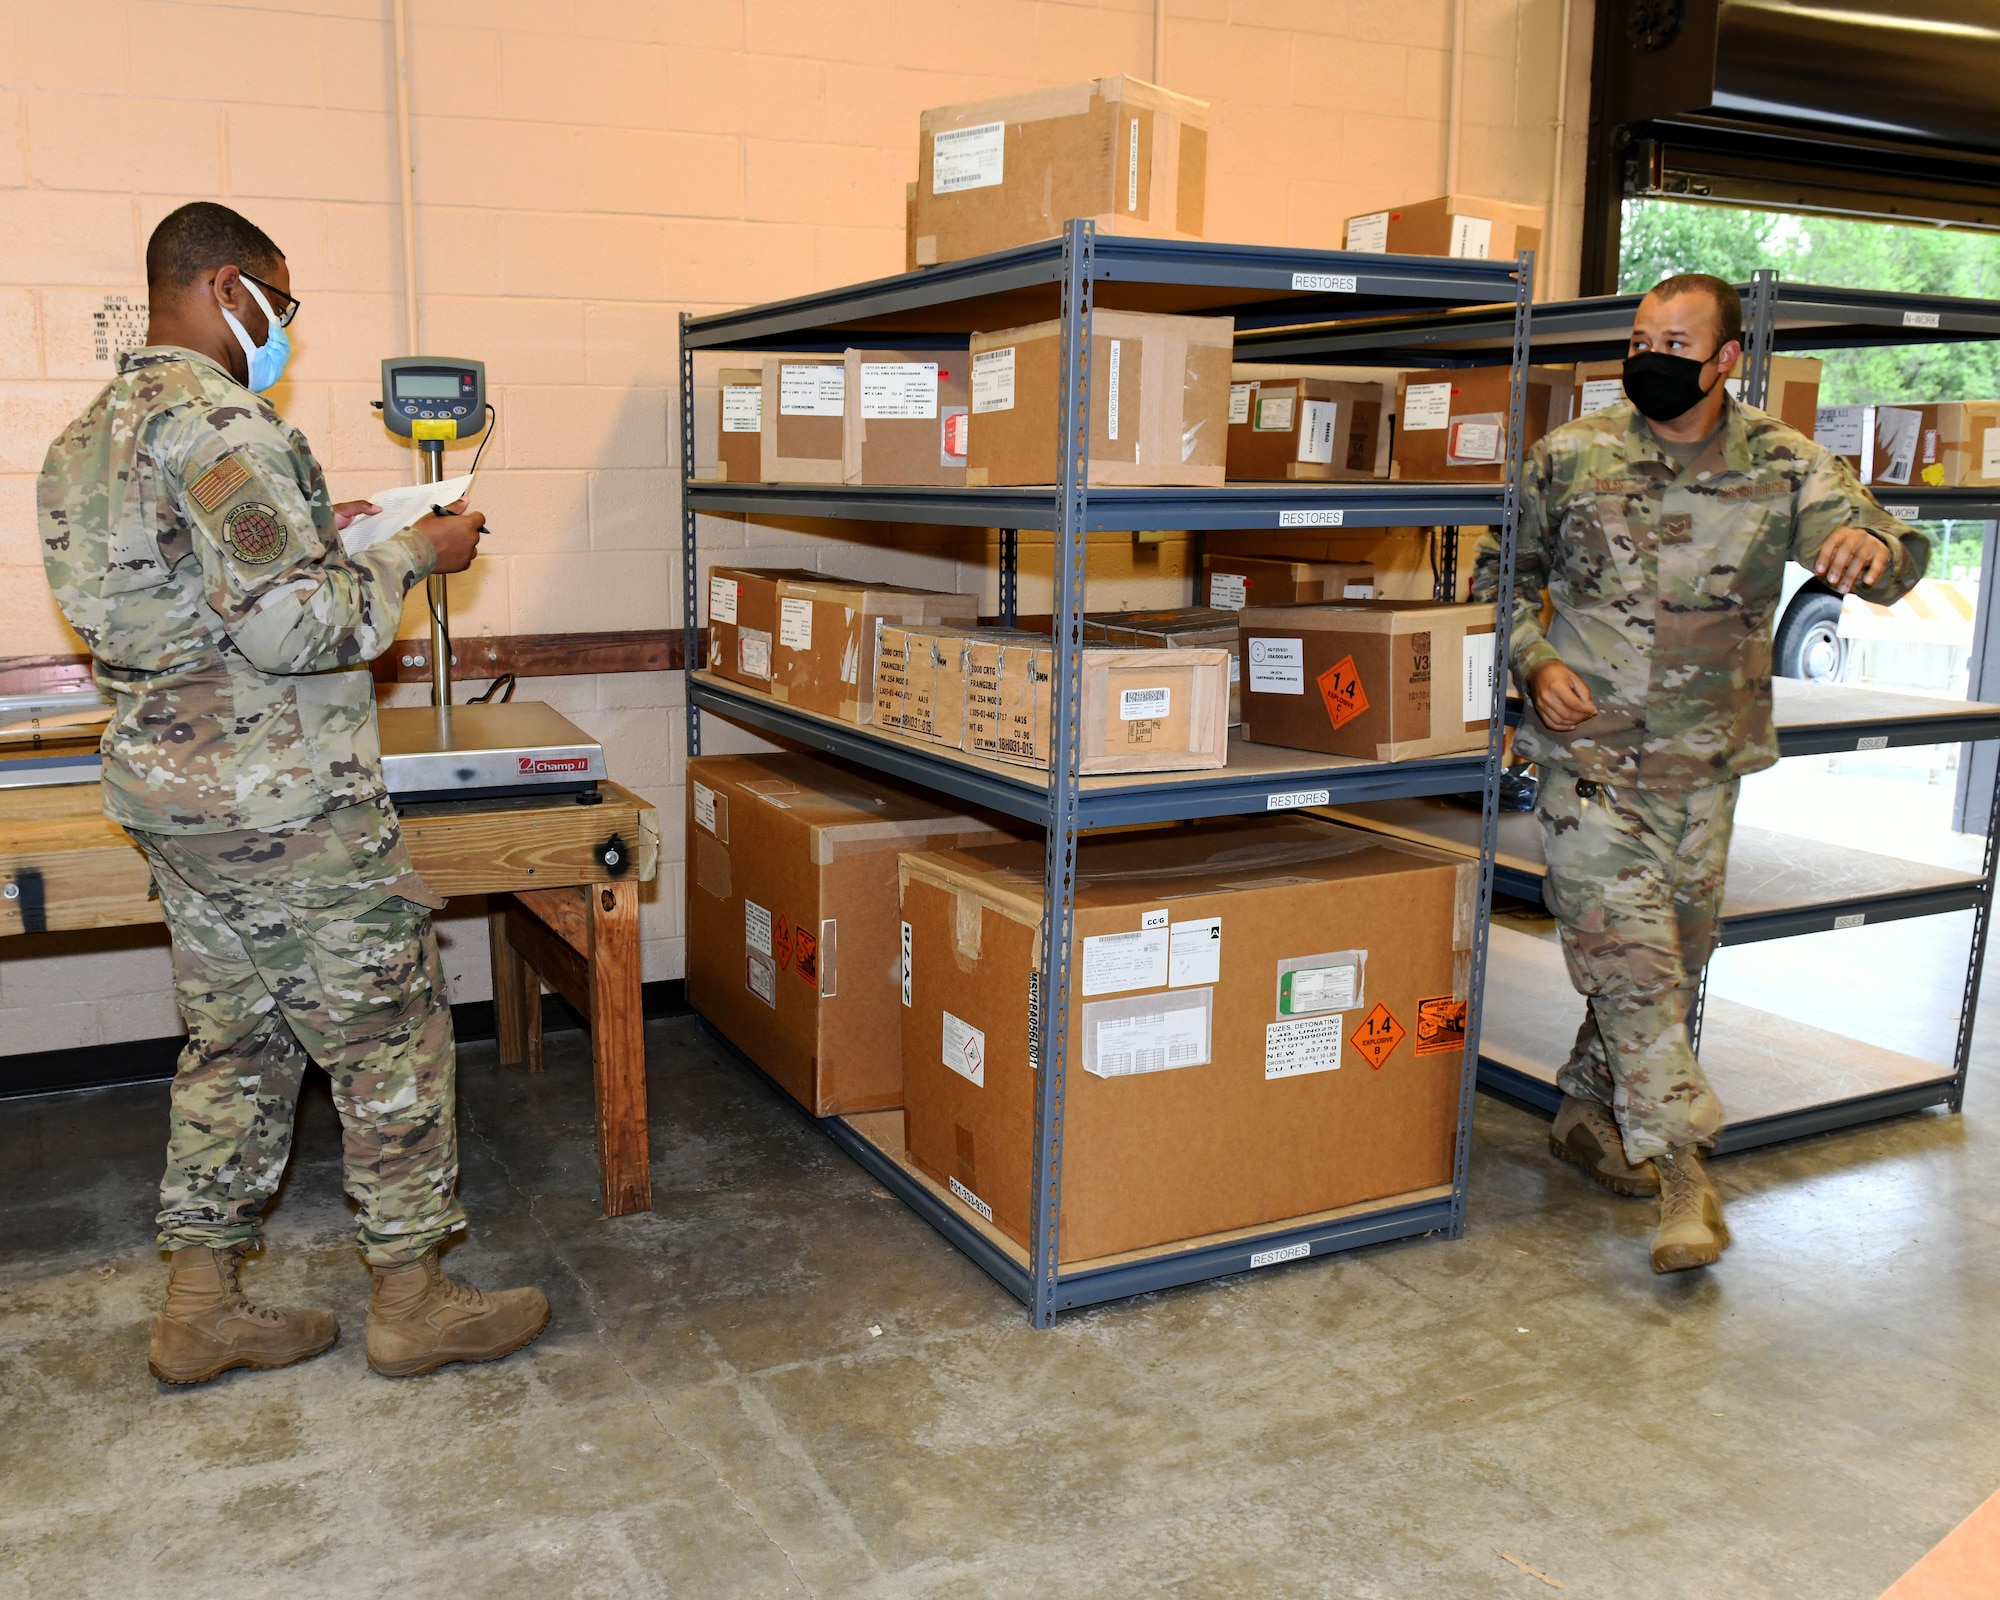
426,386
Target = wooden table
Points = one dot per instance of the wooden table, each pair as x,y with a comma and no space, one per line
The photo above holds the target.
564,910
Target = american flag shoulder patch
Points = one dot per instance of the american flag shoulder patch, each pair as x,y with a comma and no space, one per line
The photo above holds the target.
217,484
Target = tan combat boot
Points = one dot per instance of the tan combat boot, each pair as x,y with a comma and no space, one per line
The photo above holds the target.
208,1325
1586,1136
419,1320
1692,1232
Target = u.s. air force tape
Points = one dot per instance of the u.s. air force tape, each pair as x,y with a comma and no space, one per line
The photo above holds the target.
255,533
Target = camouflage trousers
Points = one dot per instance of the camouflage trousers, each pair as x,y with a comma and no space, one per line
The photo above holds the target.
312,939
1635,882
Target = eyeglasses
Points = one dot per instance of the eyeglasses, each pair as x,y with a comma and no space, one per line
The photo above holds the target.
288,310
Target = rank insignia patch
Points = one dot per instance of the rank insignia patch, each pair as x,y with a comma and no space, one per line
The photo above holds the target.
255,533
217,484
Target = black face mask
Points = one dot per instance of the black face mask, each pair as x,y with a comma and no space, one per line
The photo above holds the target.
1664,387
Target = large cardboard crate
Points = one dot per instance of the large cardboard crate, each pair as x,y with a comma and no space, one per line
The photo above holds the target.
1385,680
743,621
1009,171
1266,1022
1451,426
827,636
1159,401
906,417
1460,225
1308,429
792,927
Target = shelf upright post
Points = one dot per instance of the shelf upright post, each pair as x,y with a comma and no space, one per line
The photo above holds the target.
690,616
1010,575
1048,1022
1760,325
1982,924
1496,731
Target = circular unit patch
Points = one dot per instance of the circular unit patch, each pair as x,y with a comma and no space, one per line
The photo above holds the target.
255,533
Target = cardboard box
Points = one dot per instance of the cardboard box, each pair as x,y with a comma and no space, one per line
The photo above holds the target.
997,173
1159,401
1453,225
1122,571
907,419
1176,628
1401,559
920,680
1007,688
793,946
1307,429
743,621
824,657
1792,396
739,428
1267,1022
1934,444
1969,438
1234,581
1387,680
1451,426
804,420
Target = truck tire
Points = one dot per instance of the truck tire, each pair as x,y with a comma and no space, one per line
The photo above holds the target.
1809,644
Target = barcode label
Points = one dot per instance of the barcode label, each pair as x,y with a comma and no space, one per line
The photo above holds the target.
1288,1252
1311,519
1291,799
1324,282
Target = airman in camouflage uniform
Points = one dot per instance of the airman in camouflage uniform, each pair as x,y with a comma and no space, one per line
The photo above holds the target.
1665,567
190,540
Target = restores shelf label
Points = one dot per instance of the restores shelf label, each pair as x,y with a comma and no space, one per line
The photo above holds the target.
1311,519
1324,282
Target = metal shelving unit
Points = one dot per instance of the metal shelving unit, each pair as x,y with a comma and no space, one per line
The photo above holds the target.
1065,279
1780,317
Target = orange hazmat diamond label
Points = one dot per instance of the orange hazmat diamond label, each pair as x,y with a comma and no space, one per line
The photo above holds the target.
1340,688
1378,1035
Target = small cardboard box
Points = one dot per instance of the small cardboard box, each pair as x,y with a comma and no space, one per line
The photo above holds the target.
1451,427
1159,401
1177,628
1387,680
1267,1022
739,429
1792,395
1307,429
997,173
1969,438
743,621
1453,225
907,421
826,639
804,420
1122,571
793,947
1234,582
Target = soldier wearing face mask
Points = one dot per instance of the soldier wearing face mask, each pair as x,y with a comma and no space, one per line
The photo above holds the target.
190,541
1660,528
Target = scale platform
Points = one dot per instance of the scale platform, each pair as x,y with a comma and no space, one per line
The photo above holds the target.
486,752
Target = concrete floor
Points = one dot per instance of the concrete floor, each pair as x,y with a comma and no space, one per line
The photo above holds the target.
712,1414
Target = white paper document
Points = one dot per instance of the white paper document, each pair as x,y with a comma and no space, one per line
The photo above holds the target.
401,506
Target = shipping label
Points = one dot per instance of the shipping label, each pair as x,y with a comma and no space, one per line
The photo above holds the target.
1599,393
753,653
1228,591
1477,679
1144,705
1369,233
1840,428
795,623
1293,1049
742,408
968,158
1277,666
760,976
993,381
1316,431
895,390
1239,403
1114,962
1196,953
1150,1041
721,599
1426,407
1275,411
964,1050
1471,238
1319,984
1475,442
1896,430
756,927
704,807
819,390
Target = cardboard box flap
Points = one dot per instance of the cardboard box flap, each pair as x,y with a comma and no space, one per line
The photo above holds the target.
977,887
1067,100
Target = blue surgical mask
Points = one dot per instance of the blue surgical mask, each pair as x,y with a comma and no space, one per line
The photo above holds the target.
267,360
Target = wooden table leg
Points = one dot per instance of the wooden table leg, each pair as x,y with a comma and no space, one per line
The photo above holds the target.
517,994
618,1048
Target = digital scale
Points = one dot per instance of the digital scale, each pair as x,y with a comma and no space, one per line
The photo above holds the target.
471,752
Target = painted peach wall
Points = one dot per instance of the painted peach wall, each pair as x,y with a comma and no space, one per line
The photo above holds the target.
585,171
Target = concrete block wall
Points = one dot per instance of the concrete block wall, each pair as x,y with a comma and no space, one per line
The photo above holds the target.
583,173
